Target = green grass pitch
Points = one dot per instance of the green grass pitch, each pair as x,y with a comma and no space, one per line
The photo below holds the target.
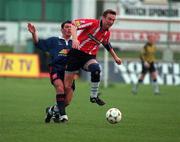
146,117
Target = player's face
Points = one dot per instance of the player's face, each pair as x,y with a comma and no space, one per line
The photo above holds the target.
108,21
66,31
151,39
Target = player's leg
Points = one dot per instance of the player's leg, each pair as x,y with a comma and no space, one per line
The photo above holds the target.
154,83
73,65
136,85
93,66
56,76
70,95
140,80
60,101
60,98
68,81
153,73
68,98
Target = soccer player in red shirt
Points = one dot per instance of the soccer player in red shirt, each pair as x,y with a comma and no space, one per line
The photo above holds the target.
85,47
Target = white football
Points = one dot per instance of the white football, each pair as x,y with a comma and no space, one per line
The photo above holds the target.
113,115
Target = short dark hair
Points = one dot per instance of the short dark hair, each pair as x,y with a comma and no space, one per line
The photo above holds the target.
109,11
65,22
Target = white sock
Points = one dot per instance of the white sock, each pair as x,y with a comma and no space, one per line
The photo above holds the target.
94,89
156,87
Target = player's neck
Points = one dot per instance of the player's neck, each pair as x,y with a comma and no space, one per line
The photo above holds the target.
66,37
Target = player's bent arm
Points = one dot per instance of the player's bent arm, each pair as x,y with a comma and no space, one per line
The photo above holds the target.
107,46
74,30
112,52
33,31
114,55
35,37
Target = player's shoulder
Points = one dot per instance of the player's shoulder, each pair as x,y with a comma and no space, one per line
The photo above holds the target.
53,38
84,21
147,44
95,21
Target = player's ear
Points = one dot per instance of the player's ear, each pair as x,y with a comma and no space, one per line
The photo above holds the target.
61,30
103,18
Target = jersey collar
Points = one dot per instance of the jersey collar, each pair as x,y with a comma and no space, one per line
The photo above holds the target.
100,24
60,37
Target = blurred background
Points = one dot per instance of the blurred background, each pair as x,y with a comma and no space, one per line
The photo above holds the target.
135,20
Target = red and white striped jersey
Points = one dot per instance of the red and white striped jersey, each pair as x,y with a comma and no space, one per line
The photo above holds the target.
91,35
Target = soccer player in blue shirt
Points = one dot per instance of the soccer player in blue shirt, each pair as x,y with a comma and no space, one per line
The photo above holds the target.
58,48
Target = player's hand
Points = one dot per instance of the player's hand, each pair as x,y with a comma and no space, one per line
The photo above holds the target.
31,28
118,60
75,44
146,64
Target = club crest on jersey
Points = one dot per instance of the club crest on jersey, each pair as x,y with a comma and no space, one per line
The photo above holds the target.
63,52
78,23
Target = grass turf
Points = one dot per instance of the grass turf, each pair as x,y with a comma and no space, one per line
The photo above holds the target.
146,117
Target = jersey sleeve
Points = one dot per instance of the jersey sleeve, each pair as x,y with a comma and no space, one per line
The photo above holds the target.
44,44
84,23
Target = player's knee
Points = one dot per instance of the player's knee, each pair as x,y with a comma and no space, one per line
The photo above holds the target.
95,72
59,89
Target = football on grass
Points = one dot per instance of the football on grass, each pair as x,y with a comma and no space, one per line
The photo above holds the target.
113,115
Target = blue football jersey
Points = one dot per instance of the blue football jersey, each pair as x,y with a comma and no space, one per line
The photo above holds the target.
57,48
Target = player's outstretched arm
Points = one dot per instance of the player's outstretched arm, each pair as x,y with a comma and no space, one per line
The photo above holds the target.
33,31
